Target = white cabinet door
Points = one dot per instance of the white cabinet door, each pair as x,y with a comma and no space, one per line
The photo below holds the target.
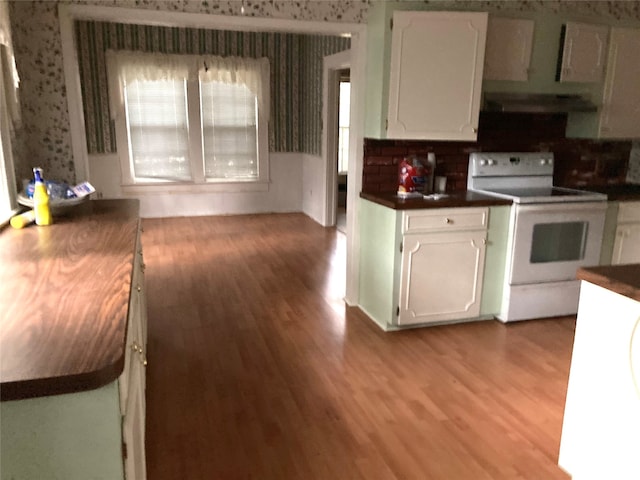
435,80
132,382
584,52
133,424
620,116
626,248
509,43
133,421
441,276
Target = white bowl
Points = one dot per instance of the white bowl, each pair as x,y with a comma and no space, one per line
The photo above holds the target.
57,205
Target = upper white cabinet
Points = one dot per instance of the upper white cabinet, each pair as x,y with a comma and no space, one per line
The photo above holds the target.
435,78
584,51
620,115
508,53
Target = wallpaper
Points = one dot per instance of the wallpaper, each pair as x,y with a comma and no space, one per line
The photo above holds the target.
295,61
45,135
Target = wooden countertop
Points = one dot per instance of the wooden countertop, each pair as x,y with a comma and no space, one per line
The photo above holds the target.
65,298
454,199
622,279
619,193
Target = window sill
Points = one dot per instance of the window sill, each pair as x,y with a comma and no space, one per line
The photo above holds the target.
219,187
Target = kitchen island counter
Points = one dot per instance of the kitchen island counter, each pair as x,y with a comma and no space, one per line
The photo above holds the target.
621,279
65,295
450,200
601,424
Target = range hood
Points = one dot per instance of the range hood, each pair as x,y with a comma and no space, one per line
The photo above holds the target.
537,103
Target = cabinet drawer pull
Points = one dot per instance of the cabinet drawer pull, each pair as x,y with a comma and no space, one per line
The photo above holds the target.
448,221
143,357
139,288
138,349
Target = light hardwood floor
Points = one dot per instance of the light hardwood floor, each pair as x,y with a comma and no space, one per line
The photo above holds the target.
257,370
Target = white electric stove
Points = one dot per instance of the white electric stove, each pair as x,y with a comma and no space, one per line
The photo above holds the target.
553,231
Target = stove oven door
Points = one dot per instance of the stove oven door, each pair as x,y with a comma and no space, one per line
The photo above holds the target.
551,241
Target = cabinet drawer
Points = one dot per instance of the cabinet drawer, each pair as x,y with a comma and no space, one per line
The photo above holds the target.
629,212
444,220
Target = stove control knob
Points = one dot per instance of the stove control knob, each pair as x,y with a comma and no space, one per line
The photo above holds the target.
544,162
491,162
483,163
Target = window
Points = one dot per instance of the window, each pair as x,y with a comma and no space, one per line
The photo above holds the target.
190,119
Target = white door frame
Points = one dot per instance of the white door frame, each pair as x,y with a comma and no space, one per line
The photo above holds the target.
67,14
331,67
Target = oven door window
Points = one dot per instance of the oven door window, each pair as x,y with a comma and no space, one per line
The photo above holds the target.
558,242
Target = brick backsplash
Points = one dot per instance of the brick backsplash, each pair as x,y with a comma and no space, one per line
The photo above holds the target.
577,161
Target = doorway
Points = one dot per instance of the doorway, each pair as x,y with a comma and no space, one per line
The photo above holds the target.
337,120
68,13
344,102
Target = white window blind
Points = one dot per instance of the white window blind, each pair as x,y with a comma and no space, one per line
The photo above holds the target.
229,130
158,129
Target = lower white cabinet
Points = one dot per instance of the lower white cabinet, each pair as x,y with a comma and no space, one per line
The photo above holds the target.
441,276
133,426
427,266
132,382
626,247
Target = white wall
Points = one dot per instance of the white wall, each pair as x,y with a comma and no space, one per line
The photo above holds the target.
284,192
313,188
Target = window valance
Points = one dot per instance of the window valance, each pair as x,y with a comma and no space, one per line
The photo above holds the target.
127,66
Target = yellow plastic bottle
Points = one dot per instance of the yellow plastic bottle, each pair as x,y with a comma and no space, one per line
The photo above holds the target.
24,219
41,199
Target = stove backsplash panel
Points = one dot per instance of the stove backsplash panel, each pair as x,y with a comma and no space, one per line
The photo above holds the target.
578,162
